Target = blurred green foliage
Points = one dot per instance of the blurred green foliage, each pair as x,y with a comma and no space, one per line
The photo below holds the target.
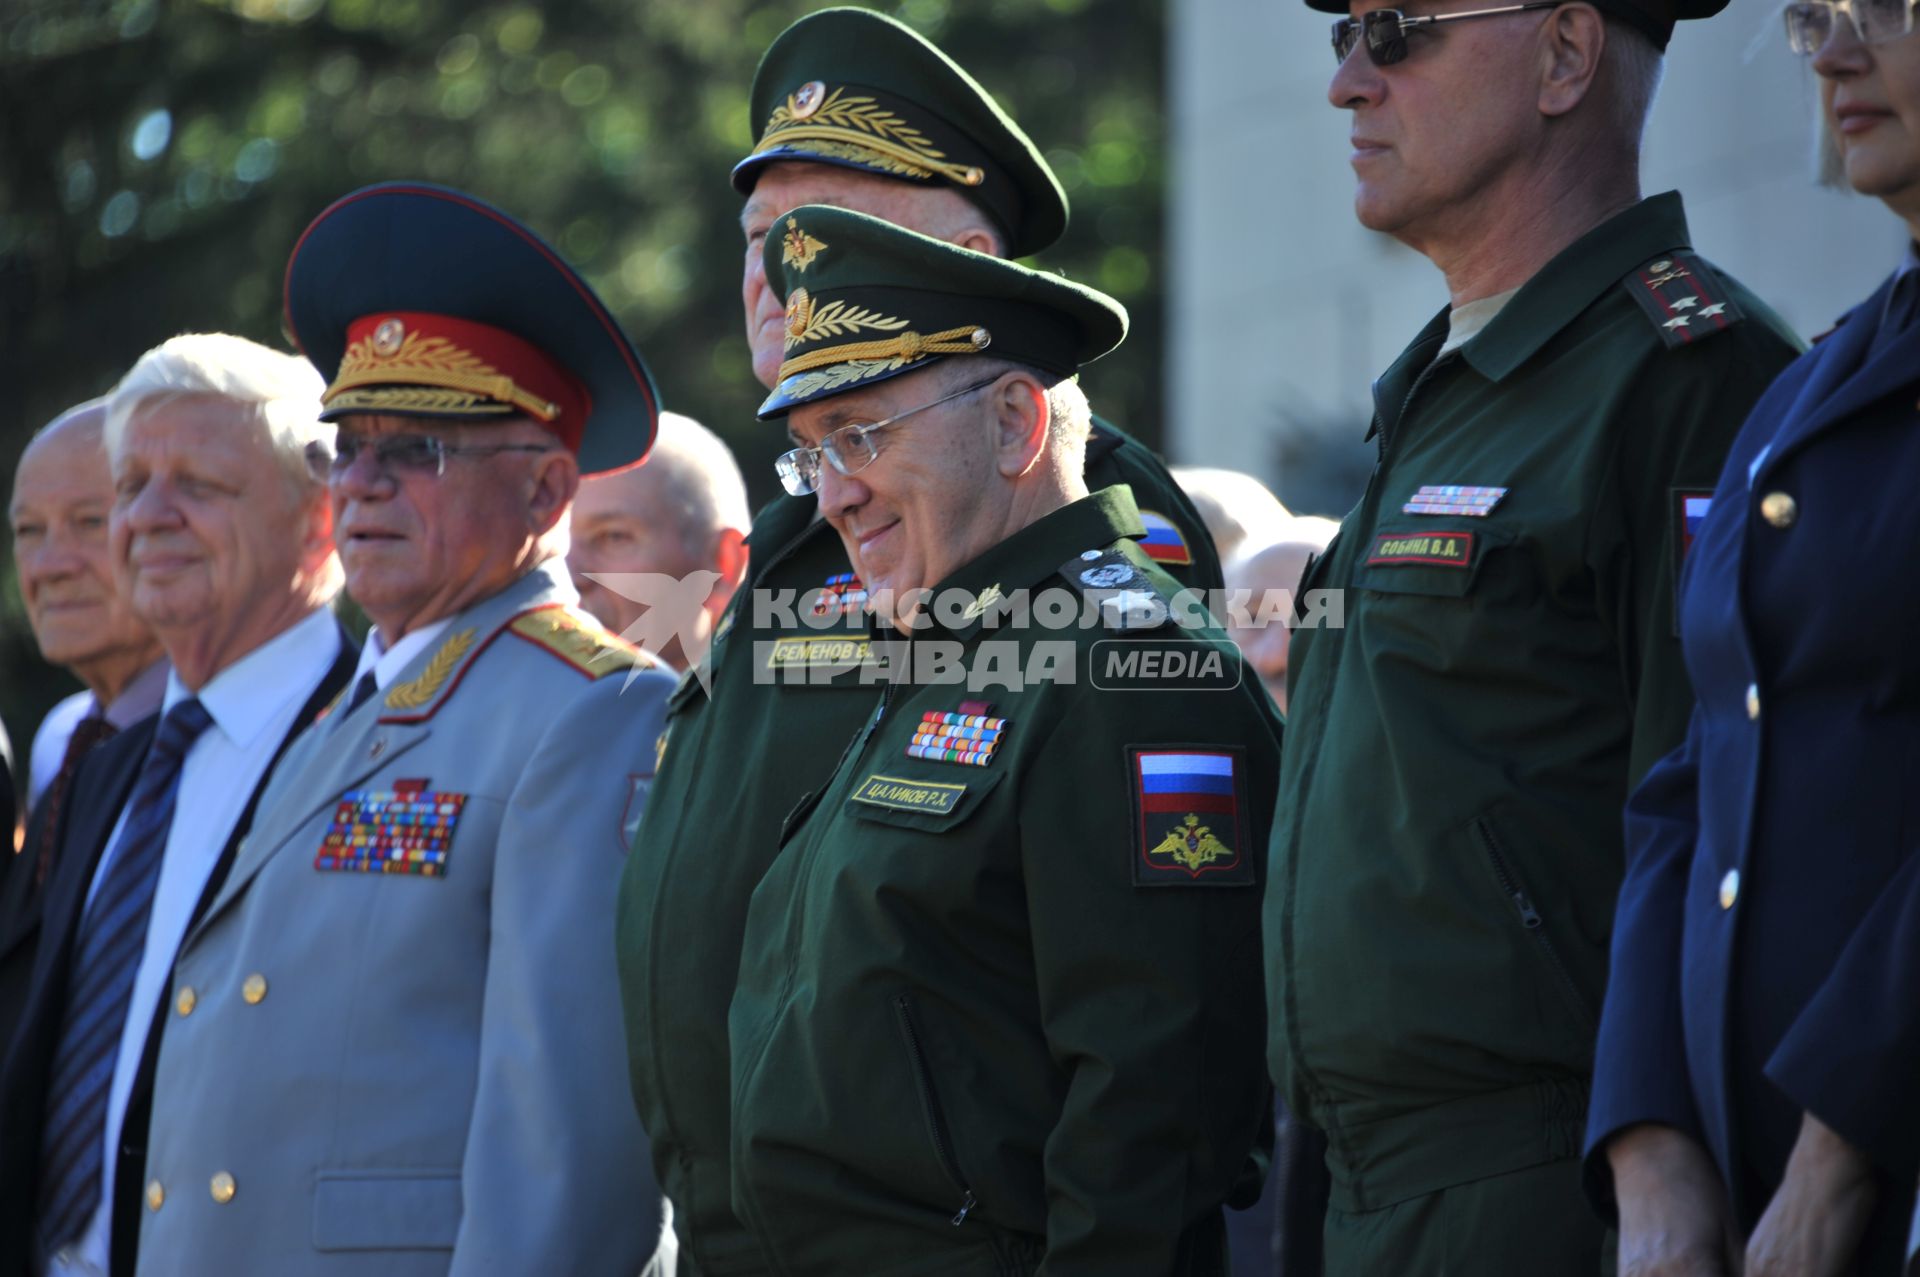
159,157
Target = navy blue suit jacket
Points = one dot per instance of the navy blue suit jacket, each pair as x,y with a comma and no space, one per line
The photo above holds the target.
1766,952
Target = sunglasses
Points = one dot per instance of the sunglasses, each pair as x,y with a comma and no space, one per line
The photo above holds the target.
1386,29
1810,24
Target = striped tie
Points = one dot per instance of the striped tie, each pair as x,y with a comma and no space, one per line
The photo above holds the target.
106,955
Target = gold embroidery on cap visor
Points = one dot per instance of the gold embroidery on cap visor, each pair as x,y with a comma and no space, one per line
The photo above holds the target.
861,130
855,361
457,380
808,321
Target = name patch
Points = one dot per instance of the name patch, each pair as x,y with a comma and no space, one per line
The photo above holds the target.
1442,549
909,795
809,651
405,830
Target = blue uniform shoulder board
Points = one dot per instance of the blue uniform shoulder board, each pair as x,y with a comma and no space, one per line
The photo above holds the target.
1684,297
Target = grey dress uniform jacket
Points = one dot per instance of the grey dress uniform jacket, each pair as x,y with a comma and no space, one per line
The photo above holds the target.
395,1041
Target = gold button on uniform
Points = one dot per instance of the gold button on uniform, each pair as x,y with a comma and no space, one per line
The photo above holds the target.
187,1001
156,1195
254,988
222,1188
1779,509
1729,888
1753,700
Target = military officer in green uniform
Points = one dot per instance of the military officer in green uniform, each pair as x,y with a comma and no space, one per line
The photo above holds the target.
1448,846
854,110
999,995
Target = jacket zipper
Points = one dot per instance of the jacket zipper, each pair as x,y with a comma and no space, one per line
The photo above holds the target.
1530,918
930,1105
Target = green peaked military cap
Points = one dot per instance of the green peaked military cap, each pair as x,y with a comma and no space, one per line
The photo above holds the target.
855,89
1653,18
868,300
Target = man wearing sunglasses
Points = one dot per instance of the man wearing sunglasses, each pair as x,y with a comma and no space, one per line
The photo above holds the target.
782,691
998,990
392,1042
1448,847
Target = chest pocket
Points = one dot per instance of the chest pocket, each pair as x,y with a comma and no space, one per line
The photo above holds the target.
908,798
1437,562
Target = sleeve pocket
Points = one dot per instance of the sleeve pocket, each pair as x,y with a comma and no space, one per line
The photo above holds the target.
386,1210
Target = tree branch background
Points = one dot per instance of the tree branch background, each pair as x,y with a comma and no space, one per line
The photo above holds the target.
159,157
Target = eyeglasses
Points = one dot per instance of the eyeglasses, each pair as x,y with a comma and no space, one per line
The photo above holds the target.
400,454
1386,29
851,449
1810,24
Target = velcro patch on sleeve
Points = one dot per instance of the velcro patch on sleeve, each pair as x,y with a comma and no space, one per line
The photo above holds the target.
1190,816
1684,298
1432,549
405,830
1690,506
1164,542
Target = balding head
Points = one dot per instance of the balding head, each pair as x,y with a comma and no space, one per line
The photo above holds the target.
1237,508
682,512
62,499
1263,573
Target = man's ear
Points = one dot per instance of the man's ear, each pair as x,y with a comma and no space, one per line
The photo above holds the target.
1573,41
1022,418
556,478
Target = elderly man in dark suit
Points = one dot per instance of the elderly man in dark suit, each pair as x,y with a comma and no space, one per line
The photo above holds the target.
221,537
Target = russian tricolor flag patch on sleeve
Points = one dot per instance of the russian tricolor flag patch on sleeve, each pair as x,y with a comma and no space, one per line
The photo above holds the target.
1190,816
1163,542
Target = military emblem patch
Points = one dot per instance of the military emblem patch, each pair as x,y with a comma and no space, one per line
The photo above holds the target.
405,830
1190,811
1436,549
1163,542
1453,498
800,248
969,737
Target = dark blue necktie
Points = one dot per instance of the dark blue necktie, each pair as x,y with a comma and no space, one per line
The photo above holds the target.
106,955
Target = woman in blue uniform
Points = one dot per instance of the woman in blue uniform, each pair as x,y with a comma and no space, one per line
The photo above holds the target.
1757,1088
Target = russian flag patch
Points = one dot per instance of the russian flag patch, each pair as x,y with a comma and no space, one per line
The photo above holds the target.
1163,542
1190,816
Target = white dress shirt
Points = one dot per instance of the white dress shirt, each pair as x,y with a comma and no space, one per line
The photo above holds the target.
252,703
387,662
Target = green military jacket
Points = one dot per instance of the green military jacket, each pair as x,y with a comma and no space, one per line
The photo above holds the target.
785,699
1448,848
999,998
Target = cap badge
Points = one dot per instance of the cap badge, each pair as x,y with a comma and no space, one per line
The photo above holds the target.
388,338
799,314
808,320
800,248
806,99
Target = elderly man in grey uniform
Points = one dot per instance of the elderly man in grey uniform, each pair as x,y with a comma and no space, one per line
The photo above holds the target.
397,1045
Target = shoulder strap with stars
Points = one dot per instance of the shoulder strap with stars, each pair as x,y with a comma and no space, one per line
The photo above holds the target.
1684,297
1127,597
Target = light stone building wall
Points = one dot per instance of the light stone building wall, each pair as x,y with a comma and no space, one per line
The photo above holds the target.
1282,308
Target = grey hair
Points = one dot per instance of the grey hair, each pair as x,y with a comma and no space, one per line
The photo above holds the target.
1634,67
1071,416
281,392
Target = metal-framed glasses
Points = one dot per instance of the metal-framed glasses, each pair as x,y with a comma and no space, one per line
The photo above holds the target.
1810,22
400,454
1386,29
851,448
